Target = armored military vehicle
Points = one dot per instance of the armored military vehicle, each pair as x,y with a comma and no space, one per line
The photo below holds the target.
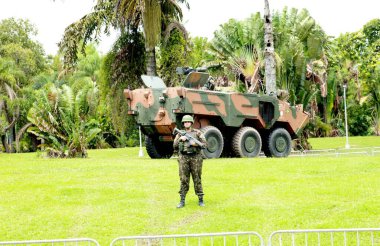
234,124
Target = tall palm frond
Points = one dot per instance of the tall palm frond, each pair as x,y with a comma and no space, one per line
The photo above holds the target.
150,15
248,62
304,25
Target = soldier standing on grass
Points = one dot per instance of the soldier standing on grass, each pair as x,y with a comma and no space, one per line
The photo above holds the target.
189,160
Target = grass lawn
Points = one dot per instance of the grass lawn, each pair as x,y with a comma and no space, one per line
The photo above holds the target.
115,193
340,142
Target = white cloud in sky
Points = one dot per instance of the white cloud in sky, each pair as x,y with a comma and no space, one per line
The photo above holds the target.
205,16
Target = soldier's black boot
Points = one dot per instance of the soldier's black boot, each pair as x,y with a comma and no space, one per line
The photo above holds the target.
201,202
181,204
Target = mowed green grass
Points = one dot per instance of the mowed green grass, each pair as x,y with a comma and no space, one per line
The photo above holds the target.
115,193
340,142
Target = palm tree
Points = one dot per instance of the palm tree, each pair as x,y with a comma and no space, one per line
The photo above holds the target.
248,62
152,15
238,47
298,41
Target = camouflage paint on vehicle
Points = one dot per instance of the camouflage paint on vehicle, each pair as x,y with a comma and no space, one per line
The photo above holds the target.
159,110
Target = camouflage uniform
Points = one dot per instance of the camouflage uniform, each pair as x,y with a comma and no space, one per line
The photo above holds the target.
190,162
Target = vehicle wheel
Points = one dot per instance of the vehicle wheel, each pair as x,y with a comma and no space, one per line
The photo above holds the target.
246,142
214,140
279,143
157,149
265,145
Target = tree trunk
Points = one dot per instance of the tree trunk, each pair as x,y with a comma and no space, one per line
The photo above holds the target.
19,135
270,63
9,137
151,61
7,147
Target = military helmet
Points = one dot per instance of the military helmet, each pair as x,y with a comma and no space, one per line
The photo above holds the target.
187,118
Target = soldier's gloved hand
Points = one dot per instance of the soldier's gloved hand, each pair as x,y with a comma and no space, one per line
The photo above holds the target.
183,138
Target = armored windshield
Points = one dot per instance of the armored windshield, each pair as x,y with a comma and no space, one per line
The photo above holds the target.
153,82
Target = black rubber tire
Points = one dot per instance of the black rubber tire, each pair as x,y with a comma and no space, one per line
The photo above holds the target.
157,149
215,142
265,145
246,142
279,143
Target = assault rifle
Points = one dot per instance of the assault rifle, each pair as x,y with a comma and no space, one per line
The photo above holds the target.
189,137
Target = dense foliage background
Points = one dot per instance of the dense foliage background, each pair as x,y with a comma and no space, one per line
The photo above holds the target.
73,101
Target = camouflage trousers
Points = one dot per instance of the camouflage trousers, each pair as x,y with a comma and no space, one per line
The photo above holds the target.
190,164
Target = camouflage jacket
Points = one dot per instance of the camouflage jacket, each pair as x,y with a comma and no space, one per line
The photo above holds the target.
187,147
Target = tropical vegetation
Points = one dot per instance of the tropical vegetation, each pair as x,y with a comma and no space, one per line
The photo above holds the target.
72,101
21,60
